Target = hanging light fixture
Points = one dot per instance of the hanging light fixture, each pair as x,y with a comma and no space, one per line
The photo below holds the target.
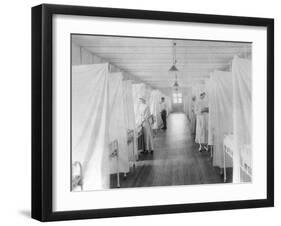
176,84
174,69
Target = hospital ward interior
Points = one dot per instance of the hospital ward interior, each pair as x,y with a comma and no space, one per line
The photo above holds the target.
151,112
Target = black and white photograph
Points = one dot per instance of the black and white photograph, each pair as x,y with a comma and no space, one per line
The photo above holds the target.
133,113
143,112
150,112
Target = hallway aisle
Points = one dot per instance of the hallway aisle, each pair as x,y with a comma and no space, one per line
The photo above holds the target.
175,161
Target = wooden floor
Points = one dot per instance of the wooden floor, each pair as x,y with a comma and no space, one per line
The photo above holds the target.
175,161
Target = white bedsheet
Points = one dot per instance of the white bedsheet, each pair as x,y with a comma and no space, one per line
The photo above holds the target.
221,112
90,123
129,117
155,99
242,103
117,125
246,153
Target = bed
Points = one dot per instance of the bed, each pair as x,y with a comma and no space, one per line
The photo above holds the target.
245,158
77,176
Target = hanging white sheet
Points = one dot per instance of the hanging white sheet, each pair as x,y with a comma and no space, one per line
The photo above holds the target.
168,101
117,125
129,116
139,91
90,123
201,135
189,107
220,97
187,102
186,105
242,114
155,99
197,90
148,91
211,94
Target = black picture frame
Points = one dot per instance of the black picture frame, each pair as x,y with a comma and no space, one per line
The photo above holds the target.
42,106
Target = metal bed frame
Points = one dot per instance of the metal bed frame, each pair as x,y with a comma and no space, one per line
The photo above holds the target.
78,179
227,150
114,149
114,153
131,139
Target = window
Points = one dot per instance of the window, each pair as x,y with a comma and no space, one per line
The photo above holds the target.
177,98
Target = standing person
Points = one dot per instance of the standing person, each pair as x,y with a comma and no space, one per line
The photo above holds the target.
163,110
147,128
202,123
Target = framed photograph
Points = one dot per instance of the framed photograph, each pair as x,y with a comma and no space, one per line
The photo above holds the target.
145,112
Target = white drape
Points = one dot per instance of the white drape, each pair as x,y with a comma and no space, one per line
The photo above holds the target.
169,104
187,102
197,90
139,91
189,107
129,116
186,105
148,91
201,136
117,125
210,91
220,97
155,99
90,123
242,114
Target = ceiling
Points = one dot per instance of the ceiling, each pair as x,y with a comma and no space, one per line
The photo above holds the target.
150,59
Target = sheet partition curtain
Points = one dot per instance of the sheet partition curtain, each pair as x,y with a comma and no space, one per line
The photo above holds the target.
129,116
221,102
169,104
186,93
242,114
148,91
139,91
197,90
155,99
117,125
90,116
210,91
186,105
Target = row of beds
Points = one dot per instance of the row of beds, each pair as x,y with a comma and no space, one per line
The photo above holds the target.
228,148
245,158
77,169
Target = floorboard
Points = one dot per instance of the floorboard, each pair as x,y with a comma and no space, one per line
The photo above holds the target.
175,161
